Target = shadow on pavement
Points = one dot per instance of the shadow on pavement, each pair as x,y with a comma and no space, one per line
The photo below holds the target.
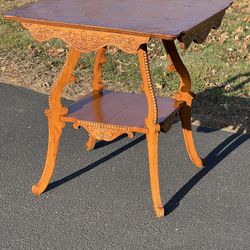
95,164
211,161
101,144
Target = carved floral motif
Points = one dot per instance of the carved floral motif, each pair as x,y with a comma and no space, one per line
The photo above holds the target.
103,132
86,40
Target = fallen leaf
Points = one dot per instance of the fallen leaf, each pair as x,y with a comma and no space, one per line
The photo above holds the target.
213,71
236,38
53,52
228,87
223,37
159,86
29,48
239,30
112,50
61,50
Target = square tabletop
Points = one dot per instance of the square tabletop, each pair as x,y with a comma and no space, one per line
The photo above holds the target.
165,19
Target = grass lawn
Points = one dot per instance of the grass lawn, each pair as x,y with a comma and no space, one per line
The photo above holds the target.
220,68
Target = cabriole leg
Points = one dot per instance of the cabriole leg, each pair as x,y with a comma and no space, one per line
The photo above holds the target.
55,131
152,143
55,125
185,115
185,95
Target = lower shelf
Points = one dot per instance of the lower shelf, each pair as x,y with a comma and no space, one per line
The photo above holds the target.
119,109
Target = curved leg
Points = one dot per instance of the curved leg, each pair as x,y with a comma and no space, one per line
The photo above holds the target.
153,130
90,144
55,132
55,125
185,116
185,95
97,85
152,141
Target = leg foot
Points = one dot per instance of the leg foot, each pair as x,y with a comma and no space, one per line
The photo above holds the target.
185,116
55,125
53,143
90,144
152,140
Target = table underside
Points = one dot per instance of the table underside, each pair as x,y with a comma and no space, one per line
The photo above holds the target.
119,110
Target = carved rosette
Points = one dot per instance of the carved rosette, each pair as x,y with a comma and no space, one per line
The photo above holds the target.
199,33
103,132
85,40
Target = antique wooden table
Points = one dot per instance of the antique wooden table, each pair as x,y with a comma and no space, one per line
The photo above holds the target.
88,26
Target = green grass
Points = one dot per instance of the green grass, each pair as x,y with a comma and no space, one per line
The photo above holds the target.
219,68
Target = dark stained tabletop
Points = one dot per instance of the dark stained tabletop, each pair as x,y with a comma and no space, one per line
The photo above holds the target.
153,17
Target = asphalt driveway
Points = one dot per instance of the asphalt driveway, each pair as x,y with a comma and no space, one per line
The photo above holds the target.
102,200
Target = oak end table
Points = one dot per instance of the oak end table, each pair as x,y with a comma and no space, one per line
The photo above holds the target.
88,26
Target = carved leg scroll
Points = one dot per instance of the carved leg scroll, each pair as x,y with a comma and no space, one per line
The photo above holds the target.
97,85
185,95
55,125
153,130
